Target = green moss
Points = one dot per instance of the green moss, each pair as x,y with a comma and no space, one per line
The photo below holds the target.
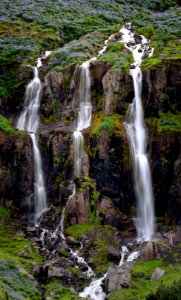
169,121
4,212
55,291
117,57
166,122
3,294
49,120
5,125
111,123
13,244
141,286
77,231
63,252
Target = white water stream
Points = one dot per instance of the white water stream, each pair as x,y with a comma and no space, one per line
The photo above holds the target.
137,134
29,121
84,116
85,110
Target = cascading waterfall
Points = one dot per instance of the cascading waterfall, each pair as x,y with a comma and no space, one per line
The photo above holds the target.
85,110
137,134
84,116
29,121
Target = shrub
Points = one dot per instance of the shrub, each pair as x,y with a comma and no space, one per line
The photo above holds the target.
5,125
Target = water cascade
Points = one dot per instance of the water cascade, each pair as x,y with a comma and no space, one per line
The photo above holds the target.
137,134
83,97
84,116
29,121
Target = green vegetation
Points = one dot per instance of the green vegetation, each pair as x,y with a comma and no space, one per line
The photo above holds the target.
14,245
55,291
101,238
17,258
146,31
142,288
111,123
79,51
78,230
4,212
118,56
5,125
16,285
172,292
167,122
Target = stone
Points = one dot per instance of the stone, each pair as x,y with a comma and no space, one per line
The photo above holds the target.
25,72
118,277
114,254
149,251
111,85
76,211
157,274
58,272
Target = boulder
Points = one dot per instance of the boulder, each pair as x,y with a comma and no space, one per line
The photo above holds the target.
58,272
149,251
157,274
76,210
118,277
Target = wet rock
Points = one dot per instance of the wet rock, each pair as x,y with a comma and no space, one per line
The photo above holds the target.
24,254
71,241
163,249
53,84
149,251
114,254
118,277
114,217
58,272
157,274
111,85
85,164
25,72
76,211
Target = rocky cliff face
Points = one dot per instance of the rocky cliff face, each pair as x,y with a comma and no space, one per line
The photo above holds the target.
108,161
16,170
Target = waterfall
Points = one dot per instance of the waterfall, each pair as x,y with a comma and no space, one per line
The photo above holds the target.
29,121
83,96
137,135
84,116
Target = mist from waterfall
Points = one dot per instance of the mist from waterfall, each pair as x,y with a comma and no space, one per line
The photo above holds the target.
137,134
29,121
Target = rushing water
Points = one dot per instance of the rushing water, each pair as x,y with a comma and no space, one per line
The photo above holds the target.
84,116
137,134
29,121
60,227
83,97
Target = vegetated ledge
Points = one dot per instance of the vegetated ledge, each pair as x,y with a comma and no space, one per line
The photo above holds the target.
166,122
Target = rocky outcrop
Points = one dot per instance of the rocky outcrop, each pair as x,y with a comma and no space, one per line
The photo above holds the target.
149,251
118,277
15,159
112,216
77,209
165,149
157,274
162,89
